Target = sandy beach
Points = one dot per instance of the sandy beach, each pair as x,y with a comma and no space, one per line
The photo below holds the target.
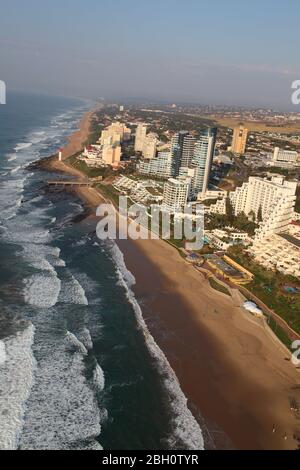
230,369
76,140
234,374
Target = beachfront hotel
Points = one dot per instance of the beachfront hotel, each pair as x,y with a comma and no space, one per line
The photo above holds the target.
278,251
274,199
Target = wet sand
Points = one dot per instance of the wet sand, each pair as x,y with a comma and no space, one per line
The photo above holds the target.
229,367
233,372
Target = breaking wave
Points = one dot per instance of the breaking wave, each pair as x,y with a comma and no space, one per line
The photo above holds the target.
16,379
185,430
42,290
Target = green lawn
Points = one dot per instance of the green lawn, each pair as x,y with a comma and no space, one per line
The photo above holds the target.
219,287
267,286
109,192
88,171
279,333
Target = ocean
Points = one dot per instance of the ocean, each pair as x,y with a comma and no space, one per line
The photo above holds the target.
78,367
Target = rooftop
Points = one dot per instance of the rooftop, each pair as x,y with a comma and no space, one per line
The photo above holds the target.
295,241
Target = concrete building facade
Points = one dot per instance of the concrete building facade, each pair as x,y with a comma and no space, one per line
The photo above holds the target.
239,140
175,196
140,136
203,159
159,167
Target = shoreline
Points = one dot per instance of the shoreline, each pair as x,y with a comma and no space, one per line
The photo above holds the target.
228,367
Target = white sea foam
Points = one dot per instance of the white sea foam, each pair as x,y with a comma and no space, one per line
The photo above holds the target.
58,262
185,429
74,341
43,257
42,290
23,146
39,133
11,191
62,411
85,337
98,378
16,379
72,292
28,233
2,352
16,169
90,286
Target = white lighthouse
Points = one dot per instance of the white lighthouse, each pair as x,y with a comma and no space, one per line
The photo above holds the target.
60,156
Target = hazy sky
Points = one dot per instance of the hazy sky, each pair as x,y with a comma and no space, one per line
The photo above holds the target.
217,51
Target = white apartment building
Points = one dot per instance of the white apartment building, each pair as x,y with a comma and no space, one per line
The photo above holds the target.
284,155
278,253
216,193
231,233
283,158
220,206
140,136
175,196
158,167
189,174
223,239
275,198
296,216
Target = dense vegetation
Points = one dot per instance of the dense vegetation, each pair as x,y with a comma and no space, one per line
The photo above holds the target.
269,287
241,222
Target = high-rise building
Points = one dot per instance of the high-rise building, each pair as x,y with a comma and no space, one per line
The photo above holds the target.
175,196
150,146
239,140
117,131
182,150
111,154
274,200
188,150
159,167
140,136
188,173
202,160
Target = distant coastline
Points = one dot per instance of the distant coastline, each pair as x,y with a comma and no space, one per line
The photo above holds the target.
232,373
